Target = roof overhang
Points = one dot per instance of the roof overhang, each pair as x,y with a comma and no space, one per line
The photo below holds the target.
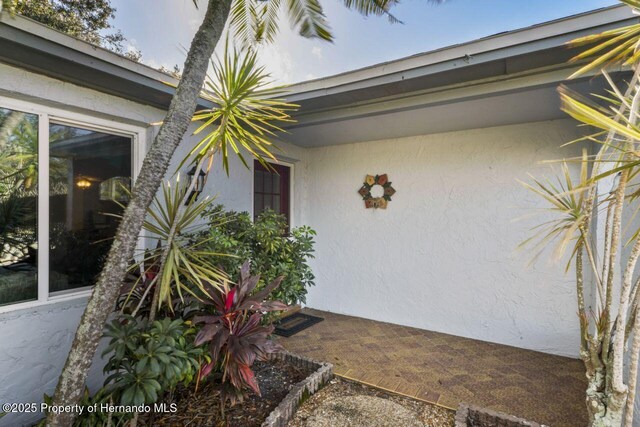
29,45
499,80
502,79
510,53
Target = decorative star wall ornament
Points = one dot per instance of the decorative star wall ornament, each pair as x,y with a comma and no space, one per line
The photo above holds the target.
371,202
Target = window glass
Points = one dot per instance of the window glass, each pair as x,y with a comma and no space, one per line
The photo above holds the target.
18,206
89,176
271,189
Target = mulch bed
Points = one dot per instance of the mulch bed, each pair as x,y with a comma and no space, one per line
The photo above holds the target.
430,415
203,408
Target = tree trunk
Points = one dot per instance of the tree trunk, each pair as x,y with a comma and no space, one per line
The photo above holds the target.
156,162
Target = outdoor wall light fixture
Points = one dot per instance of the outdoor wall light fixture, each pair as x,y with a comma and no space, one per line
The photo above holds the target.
197,187
83,183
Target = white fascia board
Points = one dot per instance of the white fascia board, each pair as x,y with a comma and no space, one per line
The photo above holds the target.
457,93
504,45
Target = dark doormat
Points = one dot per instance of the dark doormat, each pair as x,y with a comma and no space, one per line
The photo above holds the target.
295,323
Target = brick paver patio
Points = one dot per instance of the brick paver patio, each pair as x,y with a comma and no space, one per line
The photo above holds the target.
446,370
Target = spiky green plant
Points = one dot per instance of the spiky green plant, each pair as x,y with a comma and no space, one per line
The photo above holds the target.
178,266
247,112
310,22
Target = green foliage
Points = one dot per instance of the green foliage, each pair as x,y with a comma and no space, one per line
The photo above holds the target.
265,242
85,19
148,360
566,199
608,302
176,265
611,47
255,21
18,182
246,113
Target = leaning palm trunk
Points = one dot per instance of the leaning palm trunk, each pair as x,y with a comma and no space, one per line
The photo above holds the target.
107,288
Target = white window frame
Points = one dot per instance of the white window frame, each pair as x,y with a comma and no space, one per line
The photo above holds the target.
46,116
292,170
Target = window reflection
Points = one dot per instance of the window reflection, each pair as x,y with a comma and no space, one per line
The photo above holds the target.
18,206
90,174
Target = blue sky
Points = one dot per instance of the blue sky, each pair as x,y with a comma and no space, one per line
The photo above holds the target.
162,29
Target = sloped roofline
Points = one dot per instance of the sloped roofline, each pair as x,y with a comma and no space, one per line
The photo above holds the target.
32,46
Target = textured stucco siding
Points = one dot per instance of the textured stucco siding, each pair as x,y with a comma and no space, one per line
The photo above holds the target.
34,345
443,256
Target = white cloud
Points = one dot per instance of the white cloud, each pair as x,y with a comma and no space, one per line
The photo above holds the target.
278,62
317,52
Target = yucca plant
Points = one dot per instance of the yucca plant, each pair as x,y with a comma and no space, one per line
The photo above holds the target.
177,265
605,189
247,114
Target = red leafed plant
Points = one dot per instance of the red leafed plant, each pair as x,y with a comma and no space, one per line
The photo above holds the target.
234,331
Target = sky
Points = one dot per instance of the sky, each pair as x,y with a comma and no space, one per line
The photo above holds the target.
162,30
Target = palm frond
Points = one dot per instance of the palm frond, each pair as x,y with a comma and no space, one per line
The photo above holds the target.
566,199
613,47
373,7
308,18
254,21
595,116
247,113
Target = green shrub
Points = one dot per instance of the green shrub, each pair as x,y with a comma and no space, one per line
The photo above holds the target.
272,250
147,360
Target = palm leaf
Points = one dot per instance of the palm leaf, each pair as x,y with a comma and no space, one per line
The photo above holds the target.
308,18
247,115
612,47
595,117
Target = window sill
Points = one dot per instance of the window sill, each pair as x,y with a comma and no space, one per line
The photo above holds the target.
52,300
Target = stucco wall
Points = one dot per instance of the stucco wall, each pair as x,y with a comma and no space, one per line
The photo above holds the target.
443,255
34,346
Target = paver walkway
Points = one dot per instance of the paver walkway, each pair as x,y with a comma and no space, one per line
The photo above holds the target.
446,369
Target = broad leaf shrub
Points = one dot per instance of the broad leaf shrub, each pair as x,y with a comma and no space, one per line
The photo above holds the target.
272,250
232,325
148,360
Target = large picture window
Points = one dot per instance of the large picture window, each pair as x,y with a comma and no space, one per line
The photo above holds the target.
63,184
89,172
